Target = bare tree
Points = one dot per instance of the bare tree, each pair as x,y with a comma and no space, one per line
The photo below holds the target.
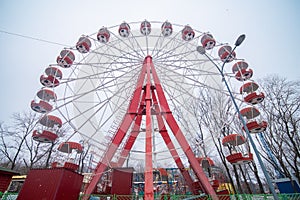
214,115
13,137
217,118
18,150
282,109
83,157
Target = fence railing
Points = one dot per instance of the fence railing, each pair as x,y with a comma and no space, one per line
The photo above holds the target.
294,196
9,196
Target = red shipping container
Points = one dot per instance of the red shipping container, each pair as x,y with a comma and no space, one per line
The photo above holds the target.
50,184
122,181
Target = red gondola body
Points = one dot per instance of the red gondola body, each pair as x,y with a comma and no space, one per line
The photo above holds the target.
103,35
65,58
225,54
187,33
207,41
83,45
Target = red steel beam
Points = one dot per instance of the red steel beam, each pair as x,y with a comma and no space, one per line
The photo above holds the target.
164,133
119,136
148,189
132,137
167,114
112,148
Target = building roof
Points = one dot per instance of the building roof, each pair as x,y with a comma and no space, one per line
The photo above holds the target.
7,171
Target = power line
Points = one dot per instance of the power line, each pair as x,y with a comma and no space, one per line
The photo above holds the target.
33,38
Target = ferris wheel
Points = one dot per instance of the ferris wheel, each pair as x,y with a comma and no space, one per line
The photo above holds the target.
93,86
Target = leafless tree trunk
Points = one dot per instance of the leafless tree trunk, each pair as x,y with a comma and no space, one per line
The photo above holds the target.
282,108
14,137
255,171
214,113
47,164
17,146
83,156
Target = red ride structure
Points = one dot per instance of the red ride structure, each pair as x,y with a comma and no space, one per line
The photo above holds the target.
146,95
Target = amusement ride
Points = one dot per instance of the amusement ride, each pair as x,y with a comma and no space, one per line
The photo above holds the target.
130,93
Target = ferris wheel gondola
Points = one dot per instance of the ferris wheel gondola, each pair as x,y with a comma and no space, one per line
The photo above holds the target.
252,96
207,41
65,58
166,29
226,54
187,33
237,156
124,30
52,77
83,45
103,35
145,28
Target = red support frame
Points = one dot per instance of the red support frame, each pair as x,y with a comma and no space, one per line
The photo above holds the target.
165,135
149,193
139,102
168,116
119,135
133,135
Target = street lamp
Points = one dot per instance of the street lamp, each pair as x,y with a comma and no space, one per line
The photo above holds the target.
238,42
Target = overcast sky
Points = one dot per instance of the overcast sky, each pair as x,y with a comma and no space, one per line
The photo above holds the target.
271,46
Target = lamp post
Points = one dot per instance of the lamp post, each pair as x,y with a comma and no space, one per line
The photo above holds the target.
238,42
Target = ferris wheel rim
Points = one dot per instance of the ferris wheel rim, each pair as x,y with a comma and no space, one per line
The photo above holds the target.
135,57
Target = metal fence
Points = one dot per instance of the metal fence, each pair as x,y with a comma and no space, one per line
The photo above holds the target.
294,196
9,196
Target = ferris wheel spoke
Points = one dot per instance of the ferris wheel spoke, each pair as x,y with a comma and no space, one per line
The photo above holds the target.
132,44
190,72
134,41
104,87
188,66
112,109
103,106
162,43
114,49
113,57
75,96
180,110
172,44
156,48
147,44
188,77
104,73
177,45
109,56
